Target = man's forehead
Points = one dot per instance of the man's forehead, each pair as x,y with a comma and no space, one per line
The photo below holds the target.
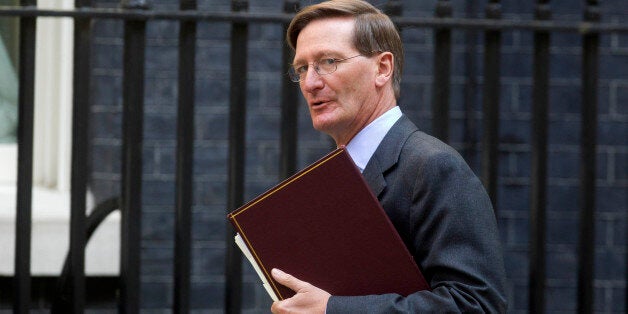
324,37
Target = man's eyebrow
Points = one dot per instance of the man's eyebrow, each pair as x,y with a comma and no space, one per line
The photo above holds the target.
319,55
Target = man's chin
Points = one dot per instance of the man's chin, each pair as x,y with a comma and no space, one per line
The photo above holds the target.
323,126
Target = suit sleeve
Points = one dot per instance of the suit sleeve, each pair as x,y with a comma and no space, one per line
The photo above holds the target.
455,241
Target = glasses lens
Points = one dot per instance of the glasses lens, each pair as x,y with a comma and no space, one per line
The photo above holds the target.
293,75
326,66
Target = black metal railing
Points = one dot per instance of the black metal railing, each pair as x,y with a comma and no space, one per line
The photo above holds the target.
136,14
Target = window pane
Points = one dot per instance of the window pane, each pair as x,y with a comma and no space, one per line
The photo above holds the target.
8,77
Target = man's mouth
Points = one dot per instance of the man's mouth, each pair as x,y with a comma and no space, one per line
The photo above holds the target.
319,103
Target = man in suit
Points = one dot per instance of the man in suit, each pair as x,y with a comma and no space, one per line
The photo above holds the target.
348,60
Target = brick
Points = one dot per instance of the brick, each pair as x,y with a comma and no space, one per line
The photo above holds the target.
608,131
415,97
207,295
211,159
518,231
157,192
106,125
563,198
162,28
610,264
517,7
210,193
619,300
565,65
107,28
565,99
158,225
106,158
519,300
620,92
517,264
209,227
113,57
560,298
562,229
417,36
271,89
412,8
516,64
265,59
161,94
263,126
212,127
565,132
562,264
514,165
564,165
419,62
609,68
514,131
263,160
108,94
210,92
565,41
214,30
611,199
619,231
159,126
208,261
513,198
213,50
166,160
155,295
157,262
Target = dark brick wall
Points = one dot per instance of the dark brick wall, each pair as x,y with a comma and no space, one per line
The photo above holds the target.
262,165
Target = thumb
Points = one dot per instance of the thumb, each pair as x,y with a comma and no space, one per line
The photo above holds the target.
288,280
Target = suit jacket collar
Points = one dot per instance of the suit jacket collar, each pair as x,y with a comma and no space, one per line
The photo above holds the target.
387,154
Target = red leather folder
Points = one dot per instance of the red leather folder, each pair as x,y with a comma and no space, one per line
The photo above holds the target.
324,225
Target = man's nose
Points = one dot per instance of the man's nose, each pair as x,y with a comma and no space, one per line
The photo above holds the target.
312,80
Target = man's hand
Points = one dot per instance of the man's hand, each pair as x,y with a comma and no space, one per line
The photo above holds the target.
309,299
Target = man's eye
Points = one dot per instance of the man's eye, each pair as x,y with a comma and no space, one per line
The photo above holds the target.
328,61
300,69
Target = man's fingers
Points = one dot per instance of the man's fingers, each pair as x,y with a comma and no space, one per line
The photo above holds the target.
288,280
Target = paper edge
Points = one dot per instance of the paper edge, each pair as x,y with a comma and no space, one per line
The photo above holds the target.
247,253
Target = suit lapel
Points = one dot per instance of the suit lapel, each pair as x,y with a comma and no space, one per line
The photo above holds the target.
387,154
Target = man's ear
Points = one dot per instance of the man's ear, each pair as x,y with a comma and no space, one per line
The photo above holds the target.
386,65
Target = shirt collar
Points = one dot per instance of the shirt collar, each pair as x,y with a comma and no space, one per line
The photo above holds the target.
363,145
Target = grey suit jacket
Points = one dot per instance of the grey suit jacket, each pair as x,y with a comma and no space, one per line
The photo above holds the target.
444,216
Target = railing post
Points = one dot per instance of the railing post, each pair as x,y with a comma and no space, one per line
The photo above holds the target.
490,136
26,109
470,87
80,144
237,138
538,198
289,105
133,121
590,47
440,85
185,160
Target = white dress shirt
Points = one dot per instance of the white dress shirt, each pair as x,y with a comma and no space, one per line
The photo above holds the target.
363,145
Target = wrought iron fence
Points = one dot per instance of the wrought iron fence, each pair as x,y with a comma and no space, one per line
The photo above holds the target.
136,14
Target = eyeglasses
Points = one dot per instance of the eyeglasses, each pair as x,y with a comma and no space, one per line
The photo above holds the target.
323,66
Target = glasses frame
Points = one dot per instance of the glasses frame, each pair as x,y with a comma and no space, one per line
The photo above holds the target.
295,76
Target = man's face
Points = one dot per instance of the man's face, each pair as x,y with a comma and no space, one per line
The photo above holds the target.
343,102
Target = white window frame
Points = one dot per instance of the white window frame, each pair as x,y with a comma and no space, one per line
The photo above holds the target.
52,164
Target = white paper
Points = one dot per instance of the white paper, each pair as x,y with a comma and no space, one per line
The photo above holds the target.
245,250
